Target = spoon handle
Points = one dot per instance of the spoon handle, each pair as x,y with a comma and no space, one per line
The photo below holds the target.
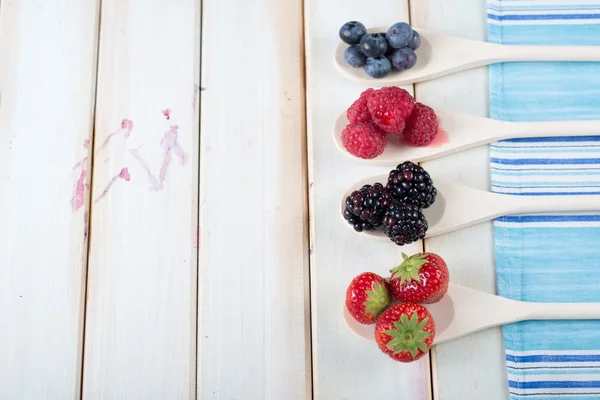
509,130
558,203
561,310
500,53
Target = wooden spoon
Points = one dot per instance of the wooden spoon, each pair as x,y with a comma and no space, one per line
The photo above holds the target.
441,54
458,206
463,311
464,132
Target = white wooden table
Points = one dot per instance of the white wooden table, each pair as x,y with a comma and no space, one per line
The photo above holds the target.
168,204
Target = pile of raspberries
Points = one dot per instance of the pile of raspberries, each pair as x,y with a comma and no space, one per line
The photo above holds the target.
387,111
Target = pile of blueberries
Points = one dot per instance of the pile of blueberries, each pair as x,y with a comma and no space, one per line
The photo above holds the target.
378,52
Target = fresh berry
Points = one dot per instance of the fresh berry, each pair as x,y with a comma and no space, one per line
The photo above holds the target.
354,57
404,59
421,126
422,278
363,140
358,112
390,107
351,32
389,52
373,44
405,332
367,297
399,35
378,67
415,41
404,224
365,207
411,184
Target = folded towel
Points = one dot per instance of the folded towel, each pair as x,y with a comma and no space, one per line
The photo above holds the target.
551,257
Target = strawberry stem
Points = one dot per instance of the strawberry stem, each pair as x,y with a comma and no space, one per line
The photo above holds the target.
409,269
378,299
408,335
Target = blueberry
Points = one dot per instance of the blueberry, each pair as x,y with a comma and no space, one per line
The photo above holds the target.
354,56
415,41
399,35
352,31
378,67
373,45
389,52
404,59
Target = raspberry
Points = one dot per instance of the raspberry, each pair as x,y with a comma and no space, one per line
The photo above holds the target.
363,140
421,126
390,107
358,112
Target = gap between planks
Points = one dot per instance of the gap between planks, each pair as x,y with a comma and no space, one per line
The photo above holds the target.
90,202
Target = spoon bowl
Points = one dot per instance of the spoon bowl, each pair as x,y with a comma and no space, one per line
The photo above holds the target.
461,132
464,310
441,54
458,206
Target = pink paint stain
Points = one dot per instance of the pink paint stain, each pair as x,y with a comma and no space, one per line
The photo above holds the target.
127,124
126,128
153,181
79,196
167,113
124,174
170,145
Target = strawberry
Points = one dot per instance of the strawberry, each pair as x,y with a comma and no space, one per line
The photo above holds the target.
421,278
405,332
367,296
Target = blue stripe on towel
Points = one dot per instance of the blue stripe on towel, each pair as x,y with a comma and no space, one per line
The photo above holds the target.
549,218
554,384
542,17
554,358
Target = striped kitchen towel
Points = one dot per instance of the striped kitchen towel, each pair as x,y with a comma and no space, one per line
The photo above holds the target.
552,257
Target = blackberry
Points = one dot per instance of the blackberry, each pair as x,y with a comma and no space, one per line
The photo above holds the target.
411,184
365,207
404,223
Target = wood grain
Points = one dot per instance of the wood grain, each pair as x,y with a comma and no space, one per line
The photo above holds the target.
254,340
140,338
342,361
47,75
472,367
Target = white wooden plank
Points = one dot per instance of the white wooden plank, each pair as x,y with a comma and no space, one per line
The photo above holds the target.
141,311
47,74
472,367
254,324
343,363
